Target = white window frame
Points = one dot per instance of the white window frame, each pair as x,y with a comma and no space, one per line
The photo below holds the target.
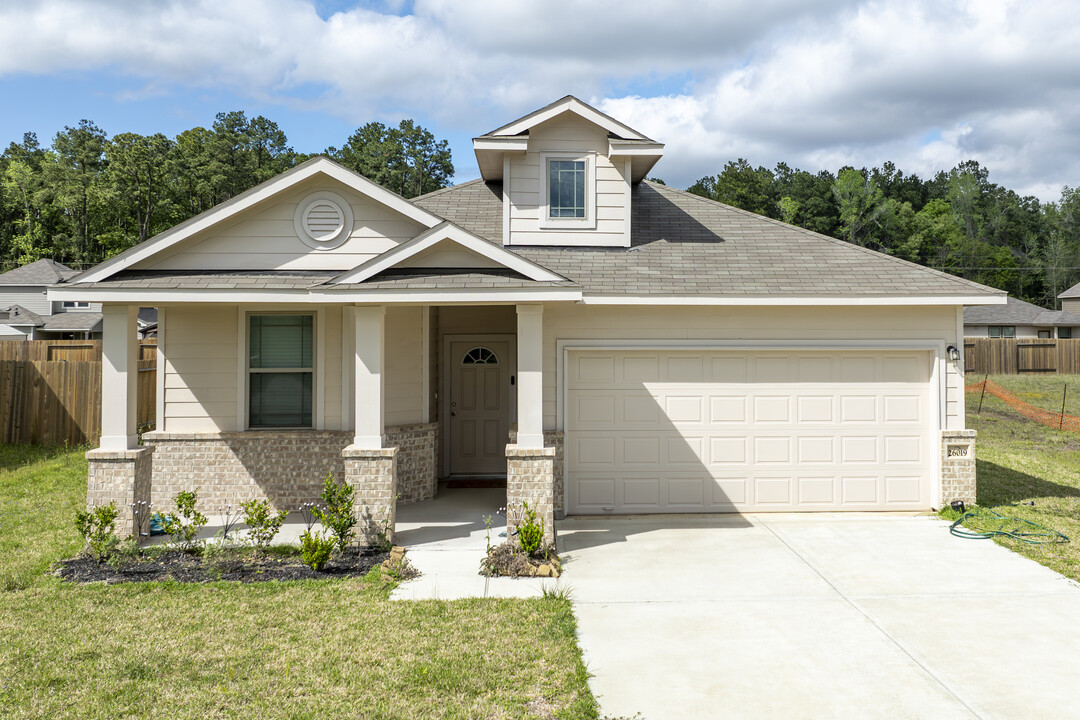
1001,331
587,222
316,368
75,305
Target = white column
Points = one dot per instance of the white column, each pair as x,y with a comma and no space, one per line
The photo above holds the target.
530,376
368,384
119,377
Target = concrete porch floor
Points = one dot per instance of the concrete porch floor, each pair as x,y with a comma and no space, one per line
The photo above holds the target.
446,541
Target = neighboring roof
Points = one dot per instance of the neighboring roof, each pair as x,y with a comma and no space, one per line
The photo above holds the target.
1018,312
148,316
686,245
18,316
1073,292
73,322
39,272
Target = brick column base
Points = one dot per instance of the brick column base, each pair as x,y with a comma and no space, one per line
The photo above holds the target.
957,466
123,477
530,477
372,473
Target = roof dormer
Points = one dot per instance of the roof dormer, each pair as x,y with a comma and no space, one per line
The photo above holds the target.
566,172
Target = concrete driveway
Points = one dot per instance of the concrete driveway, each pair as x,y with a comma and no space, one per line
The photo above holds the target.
818,616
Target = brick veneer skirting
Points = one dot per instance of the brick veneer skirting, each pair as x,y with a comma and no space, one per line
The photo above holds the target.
530,479
122,477
286,467
373,476
957,466
553,439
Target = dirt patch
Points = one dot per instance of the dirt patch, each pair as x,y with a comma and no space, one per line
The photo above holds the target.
508,560
190,568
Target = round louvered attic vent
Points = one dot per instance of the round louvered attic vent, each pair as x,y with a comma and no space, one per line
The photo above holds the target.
323,220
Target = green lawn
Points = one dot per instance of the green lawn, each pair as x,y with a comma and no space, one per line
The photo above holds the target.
1022,461
330,649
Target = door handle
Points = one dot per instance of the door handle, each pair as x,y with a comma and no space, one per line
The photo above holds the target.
453,414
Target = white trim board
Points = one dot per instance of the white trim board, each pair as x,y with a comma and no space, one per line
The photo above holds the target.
566,104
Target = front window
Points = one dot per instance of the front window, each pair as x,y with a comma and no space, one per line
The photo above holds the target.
1065,333
73,304
566,189
1002,331
280,370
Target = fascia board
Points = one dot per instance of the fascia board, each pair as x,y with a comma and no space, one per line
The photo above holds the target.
501,144
618,149
575,106
215,215
447,231
306,296
910,300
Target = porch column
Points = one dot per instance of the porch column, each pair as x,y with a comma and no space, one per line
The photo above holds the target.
119,377
370,468
368,388
120,470
530,467
530,378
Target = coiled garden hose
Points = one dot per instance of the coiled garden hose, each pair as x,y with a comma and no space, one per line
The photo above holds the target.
1016,528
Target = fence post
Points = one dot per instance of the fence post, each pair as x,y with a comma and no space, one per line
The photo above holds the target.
979,411
1064,390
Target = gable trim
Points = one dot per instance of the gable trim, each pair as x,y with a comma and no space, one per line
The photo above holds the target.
252,197
437,234
571,104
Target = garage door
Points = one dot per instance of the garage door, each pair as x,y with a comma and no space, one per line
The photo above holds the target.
722,431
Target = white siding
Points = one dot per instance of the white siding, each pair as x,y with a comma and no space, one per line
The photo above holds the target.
264,237
33,299
642,324
201,369
571,135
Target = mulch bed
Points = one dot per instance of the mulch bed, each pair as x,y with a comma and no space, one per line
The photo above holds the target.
187,568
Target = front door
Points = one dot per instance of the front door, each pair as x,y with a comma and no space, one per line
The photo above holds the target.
479,417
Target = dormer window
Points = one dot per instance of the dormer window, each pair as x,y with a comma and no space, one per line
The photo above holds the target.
568,191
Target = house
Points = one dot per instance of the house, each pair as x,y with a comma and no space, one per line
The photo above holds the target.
26,313
607,344
1019,319
1070,299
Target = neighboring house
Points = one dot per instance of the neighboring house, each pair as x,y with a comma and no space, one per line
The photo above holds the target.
608,344
1019,319
1070,299
26,313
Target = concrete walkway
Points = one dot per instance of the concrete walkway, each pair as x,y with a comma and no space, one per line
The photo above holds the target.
446,541
818,616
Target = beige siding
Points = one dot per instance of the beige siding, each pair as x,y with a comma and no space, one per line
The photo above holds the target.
641,324
200,369
330,347
33,299
263,238
570,135
1071,305
404,366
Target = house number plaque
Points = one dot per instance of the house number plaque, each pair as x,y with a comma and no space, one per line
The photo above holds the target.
957,451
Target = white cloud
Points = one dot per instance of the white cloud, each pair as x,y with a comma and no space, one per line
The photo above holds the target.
814,84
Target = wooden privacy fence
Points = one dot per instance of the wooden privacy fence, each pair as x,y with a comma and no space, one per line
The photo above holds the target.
56,400
1001,356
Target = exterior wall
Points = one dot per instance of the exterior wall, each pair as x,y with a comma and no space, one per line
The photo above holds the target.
554,439
201,369
265,238
373,476
1071,305
286,467
31,298
530,479
331,363
121,477
404,384
571,135
1023,332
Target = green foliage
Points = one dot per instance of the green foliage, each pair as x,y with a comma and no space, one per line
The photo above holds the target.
406,159
530,532
98,528
183,526
262,522
315,549
338,514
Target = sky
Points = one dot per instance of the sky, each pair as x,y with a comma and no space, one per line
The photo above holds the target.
818,85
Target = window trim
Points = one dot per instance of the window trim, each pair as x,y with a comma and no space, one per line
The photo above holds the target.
1001,332
75,305
244,391
1068,333
587,222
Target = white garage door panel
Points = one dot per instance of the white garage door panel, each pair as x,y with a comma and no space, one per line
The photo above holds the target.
683,431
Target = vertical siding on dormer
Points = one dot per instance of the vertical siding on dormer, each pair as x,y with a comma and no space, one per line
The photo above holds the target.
571,135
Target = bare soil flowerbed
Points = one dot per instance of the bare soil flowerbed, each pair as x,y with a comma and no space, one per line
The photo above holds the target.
241,567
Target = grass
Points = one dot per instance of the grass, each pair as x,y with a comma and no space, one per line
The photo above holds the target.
1020,461
313,649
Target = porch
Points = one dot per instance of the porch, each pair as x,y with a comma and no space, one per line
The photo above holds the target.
369,368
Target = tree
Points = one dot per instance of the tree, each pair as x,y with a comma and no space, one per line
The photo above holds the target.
861,204
742,186
406,159
138,171
78,161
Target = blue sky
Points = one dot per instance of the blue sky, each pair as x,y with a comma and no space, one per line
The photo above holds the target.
924,84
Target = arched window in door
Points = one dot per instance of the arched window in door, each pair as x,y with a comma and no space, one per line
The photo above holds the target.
480,356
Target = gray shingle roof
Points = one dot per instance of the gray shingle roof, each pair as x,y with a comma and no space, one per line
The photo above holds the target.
18,315
682,244
449,279
217,279
40,272
72,322
1072,292
1018,312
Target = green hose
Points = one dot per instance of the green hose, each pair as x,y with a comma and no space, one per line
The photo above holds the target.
1016,528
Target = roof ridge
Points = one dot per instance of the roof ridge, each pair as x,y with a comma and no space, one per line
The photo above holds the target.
865,250
440,191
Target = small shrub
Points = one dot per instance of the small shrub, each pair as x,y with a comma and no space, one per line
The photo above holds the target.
98,528
184,525
338,515
262,522
125,551
315,549
530,532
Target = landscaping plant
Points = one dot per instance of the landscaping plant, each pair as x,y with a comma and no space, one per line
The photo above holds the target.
315,549
262,522
337,515
98,528
530,532
183,526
